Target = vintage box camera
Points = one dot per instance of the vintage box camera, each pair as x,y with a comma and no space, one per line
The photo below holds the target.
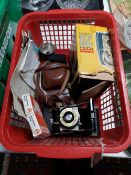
76,120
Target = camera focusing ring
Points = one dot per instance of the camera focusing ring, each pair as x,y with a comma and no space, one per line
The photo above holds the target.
69,117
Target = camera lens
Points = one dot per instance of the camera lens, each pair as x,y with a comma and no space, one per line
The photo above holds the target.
68,117
45,50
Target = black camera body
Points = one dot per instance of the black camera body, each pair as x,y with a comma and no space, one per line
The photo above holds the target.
76,120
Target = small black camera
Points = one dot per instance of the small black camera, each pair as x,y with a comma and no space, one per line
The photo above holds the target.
66,120
76,120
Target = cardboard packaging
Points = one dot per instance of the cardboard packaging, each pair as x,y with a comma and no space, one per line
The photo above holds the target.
34,116
23,91
91,59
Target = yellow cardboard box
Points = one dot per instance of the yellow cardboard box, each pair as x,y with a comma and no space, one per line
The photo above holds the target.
92,52
91,59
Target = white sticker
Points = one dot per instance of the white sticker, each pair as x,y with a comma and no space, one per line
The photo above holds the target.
31,117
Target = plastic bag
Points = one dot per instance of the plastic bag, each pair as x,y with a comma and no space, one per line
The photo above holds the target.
81,4
37,5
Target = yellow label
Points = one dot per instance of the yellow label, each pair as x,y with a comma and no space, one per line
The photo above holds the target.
92,53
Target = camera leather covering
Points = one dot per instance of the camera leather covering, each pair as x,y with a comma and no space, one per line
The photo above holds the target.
51,79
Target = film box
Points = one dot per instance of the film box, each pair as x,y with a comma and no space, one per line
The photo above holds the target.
91,52
91,59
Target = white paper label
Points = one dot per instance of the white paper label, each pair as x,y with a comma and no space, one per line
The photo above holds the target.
31,117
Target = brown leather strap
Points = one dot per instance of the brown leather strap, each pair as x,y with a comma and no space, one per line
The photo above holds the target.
55,66
65,99
65,81
41,66
52,66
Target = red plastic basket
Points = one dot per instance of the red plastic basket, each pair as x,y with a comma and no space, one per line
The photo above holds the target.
114,109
